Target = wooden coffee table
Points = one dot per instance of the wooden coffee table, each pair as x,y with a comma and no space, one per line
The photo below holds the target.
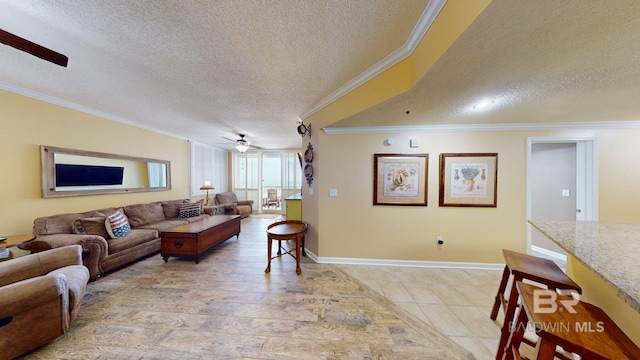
194,239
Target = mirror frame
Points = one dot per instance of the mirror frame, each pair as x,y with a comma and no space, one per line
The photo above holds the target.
49,180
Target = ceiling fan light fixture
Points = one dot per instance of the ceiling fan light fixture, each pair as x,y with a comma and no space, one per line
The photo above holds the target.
242,147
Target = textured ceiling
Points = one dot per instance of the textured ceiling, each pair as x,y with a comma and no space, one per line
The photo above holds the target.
202,70
542,61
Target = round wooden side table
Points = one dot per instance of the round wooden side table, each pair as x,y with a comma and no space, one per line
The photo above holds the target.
287,230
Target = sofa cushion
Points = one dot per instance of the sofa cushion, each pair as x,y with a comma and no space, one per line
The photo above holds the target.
56,224
143,214
117,225
135,237
188,210
171,207
105,212
95,226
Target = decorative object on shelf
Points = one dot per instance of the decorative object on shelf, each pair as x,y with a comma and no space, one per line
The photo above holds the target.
400,179
469,179
308,169
303,129
207,186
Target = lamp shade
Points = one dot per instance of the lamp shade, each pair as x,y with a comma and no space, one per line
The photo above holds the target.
207,185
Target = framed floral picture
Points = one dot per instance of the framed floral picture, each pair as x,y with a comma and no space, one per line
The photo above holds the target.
400,179
469,179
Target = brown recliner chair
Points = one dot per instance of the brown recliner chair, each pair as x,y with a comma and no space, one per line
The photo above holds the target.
232,206
40,294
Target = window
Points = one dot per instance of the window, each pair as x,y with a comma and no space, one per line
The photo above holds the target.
208,163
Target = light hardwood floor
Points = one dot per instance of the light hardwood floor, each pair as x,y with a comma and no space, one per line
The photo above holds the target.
226,307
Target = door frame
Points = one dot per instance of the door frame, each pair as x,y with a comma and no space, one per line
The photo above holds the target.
587,193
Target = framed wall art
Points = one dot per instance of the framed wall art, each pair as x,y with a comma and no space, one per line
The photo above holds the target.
400,179
469,179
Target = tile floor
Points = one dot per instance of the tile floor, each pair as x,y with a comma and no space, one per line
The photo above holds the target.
455,302
225,307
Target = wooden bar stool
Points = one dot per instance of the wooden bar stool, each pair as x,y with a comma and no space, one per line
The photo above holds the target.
578,327
533,268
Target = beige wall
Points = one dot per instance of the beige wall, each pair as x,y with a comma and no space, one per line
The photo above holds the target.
27,123
349,226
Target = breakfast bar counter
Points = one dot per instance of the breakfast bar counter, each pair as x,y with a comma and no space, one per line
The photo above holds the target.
603,258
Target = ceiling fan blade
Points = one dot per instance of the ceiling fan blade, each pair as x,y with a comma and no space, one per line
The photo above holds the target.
226,138
33,48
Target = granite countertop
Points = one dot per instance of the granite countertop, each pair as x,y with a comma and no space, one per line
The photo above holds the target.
611,250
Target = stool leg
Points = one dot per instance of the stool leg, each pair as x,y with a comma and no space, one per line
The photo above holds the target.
508,324
545,350
500,294
279,247
298,246
304,253
268,269
515,338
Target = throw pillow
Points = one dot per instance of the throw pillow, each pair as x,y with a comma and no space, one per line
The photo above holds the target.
188,210
77,228
94,226
117,225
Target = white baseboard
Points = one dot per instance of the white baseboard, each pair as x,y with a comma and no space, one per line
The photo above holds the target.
406,263
549,253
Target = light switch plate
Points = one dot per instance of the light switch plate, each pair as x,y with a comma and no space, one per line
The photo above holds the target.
566,192
333,192
310,191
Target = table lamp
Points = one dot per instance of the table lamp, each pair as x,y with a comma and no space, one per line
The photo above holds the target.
207,186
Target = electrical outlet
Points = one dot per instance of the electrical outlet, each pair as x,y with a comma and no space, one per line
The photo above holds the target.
439,240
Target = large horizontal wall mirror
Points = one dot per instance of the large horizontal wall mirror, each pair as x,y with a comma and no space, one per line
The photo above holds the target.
69,172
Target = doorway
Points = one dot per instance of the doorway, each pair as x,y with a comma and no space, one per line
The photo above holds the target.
271,183
258,174
561,185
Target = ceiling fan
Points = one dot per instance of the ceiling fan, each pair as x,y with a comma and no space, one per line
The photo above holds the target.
241,144
32,48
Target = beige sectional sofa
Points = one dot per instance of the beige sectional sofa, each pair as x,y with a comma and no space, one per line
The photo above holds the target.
102,252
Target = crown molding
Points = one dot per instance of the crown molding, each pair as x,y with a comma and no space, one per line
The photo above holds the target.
84,109
482,127
426,19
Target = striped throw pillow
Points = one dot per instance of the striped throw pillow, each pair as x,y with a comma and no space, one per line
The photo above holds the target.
188,210
117,225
